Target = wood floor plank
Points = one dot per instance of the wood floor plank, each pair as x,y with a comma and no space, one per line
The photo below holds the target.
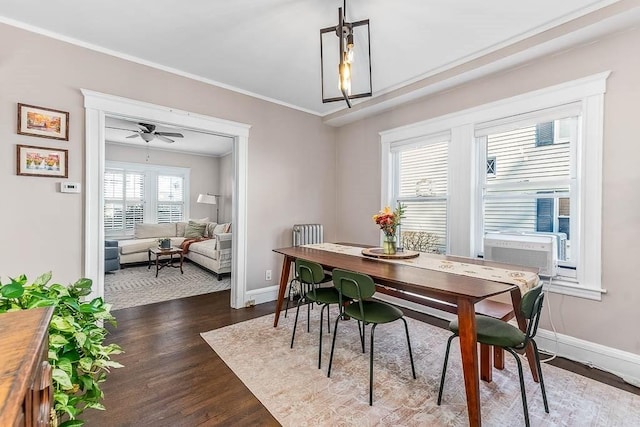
173,378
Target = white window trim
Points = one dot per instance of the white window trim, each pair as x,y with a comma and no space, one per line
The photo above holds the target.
463,155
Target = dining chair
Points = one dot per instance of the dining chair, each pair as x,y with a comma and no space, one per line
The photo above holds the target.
360,288
295,282
499,333
310,275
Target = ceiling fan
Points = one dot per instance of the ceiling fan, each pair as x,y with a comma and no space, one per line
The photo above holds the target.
148,132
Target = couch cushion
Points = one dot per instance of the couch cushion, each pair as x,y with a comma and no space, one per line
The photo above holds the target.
206,248
208,232
136,245
219,228
146,231
194,230
180,227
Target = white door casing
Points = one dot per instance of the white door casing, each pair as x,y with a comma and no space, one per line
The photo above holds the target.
97,106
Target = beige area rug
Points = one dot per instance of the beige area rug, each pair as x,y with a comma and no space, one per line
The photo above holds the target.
297,393
134,286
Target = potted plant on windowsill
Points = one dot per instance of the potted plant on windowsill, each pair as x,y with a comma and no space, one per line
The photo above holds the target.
77,353
164,243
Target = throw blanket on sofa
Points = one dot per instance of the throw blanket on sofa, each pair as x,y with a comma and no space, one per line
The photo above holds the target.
187,242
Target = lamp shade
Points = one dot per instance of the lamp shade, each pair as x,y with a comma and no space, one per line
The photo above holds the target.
207,198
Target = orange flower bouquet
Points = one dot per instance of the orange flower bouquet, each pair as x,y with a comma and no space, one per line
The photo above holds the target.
388,221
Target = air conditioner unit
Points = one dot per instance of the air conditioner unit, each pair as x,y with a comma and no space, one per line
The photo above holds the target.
528,250
561,239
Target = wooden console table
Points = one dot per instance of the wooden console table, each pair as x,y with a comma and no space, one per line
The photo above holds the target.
26,391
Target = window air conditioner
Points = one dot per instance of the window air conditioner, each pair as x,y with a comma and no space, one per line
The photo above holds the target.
528,250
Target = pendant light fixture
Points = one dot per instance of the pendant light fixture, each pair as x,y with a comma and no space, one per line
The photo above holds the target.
353,59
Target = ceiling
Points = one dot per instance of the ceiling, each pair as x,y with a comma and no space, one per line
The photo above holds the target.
118,129
270,48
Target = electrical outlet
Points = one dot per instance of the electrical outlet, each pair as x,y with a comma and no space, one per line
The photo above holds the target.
267,275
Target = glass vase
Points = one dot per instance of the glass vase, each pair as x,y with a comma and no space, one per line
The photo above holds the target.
389,245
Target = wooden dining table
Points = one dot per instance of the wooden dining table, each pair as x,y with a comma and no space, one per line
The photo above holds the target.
434,288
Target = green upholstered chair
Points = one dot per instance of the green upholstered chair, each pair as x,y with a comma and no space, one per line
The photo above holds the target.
295,282
499,333
361,288
310,275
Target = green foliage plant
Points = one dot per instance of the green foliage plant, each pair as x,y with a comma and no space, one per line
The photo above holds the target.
77,353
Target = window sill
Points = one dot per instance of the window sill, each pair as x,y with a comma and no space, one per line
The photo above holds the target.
567,287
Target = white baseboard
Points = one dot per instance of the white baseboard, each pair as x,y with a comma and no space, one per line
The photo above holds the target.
259,296
621,363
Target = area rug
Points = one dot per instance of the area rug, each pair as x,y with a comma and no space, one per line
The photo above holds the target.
289,384
134,286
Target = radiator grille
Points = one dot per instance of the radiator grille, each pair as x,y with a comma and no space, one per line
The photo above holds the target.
305,234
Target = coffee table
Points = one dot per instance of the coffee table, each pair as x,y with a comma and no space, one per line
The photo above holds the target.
160,252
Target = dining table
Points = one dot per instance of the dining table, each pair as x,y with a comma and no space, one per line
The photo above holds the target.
445,282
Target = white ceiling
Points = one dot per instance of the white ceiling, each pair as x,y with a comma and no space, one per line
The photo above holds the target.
270,48
193,142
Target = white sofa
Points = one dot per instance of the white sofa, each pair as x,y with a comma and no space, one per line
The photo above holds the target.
213,253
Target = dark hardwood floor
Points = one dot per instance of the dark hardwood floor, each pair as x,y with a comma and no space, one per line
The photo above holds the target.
173,378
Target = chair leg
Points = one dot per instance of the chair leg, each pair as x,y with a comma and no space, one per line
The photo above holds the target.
523,392
333,344
320,336
406,329
361,331
444,368
309,304
373,328
295,323
544,393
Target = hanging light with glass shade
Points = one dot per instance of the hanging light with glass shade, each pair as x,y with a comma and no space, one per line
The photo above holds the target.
352,55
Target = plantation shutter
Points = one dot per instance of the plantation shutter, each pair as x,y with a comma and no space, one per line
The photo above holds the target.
123,200
170,198
134,200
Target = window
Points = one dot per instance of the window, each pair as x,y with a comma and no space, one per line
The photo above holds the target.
534,183
421,186
170,198
531,163
136,193
123,200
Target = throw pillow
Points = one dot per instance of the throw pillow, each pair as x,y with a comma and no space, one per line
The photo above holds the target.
227,229
180,227
211,226
194,230
219,229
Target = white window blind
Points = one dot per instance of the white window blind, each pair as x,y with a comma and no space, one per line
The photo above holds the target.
421,186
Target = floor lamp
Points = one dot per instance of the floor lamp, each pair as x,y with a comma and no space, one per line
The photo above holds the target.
209,199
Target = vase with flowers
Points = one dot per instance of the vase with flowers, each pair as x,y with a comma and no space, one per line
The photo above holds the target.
388,221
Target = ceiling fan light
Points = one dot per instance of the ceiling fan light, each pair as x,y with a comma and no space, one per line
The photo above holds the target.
147,136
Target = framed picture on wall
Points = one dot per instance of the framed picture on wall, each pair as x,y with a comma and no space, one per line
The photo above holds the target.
42,161
43,122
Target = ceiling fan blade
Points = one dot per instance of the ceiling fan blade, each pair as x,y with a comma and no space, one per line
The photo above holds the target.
147,127
163,138
128,130
134,135
174,134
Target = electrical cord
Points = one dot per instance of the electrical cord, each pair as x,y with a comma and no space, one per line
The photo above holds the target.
553,327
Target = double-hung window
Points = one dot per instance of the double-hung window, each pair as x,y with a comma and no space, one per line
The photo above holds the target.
420,172
530,182
136,193
527,164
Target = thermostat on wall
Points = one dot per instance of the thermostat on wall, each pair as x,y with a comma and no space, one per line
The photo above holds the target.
69,187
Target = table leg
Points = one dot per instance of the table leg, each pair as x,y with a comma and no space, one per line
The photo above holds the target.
469,351
181,259
157,264
486,371
522,324
498,358
149,265
284,278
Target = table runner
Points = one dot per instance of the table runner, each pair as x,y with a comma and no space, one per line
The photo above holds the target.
525,280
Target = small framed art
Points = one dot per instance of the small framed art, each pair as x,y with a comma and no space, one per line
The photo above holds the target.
42,161
43,122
